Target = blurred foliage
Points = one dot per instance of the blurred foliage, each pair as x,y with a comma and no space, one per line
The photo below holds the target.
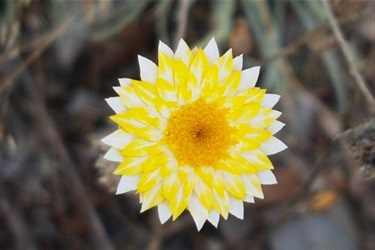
59,59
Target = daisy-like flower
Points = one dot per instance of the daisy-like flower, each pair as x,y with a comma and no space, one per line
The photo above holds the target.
194,133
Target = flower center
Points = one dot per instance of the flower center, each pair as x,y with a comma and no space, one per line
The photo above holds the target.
199,134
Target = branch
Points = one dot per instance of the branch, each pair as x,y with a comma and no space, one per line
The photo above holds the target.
182,21
345,50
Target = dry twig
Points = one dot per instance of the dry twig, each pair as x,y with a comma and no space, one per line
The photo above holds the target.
345,50
53,139
53,36
182,21
306,37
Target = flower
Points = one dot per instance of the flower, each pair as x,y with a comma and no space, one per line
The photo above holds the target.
194,134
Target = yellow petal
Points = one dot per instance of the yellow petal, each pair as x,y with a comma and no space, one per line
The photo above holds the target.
168,163
166,67
178,203
251,137
166,90
258,159
130,166
221,203
193,89
136,127
204,193
225,64
151,198
148,180
146,115
209,82
187,178
236,164
153,162
252,185
129,97
253,95
250,95
181,76
245,113
140,147
264,118
183,53
228,86
171,184
234,185
146,91
199,66
218,183
205,174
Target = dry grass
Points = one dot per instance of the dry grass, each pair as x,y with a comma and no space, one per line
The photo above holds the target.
59,60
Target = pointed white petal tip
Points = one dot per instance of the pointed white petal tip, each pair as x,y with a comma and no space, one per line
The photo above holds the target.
266,177
238,62
197,211
148,199
214,217
116,104
212,51
249,78
252,189
128,183
275,127
148,69
272,146
164,212
249,199
118,139
113,155
124,82
236,207
270,100
165,49
183,52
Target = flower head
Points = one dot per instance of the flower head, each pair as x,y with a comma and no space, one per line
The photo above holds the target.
194,133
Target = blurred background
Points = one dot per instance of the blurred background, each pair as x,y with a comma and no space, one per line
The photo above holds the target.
60,59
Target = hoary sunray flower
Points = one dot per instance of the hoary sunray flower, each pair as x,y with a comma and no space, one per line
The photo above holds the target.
194,134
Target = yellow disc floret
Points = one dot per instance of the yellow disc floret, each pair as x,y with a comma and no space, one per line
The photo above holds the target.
199,134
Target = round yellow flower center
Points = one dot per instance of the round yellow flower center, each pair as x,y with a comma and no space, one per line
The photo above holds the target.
199,134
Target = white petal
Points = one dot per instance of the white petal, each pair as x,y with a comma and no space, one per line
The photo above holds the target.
146,201
164,211
266,177
252,183
116,104
131,99
230,180
148,69
260,118
269,100
113,155
197,211
236,207
224,71
124,82
272,146
249,198
214,217
212,51
238,62
249,78
165,49
128,183
275,127
118,139
182,52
